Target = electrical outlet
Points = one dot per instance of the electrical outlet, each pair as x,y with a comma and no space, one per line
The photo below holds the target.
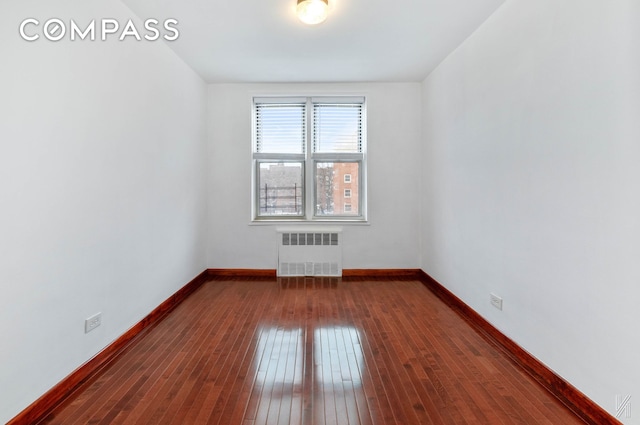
496,301
92,322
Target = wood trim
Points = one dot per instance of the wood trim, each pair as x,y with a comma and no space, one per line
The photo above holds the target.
39,409
242,273
346,273
570,396
382,273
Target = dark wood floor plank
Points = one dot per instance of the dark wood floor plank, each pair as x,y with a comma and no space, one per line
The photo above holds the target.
162,382
312,351
240,383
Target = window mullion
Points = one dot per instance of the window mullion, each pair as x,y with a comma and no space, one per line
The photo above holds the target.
310,182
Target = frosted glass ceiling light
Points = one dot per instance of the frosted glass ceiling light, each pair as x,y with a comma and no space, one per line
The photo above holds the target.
312,12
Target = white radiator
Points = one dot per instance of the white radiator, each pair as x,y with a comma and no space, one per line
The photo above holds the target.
310,252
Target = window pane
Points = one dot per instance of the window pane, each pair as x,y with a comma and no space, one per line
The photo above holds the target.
280,188
280,128
337,127
332,189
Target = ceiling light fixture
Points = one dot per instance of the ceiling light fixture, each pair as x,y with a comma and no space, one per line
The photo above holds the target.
312,12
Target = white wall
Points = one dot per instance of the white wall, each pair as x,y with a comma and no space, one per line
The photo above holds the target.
530,186
102,186
389,241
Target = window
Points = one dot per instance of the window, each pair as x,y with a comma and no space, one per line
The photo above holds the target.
308,155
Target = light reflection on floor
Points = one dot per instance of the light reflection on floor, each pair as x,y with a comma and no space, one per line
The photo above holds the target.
327,361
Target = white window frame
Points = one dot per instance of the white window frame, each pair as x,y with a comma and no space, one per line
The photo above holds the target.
310,160
347,178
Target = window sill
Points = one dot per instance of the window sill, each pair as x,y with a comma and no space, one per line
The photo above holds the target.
317,222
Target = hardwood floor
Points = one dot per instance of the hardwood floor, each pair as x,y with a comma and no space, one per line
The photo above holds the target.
311,351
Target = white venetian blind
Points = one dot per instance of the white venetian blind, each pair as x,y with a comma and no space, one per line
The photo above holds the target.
280,128
337,127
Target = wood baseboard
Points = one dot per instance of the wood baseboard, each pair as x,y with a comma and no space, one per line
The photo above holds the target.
39,409
381,273
346,273
570,396
241,273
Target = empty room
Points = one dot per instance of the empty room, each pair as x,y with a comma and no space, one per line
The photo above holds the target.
319,212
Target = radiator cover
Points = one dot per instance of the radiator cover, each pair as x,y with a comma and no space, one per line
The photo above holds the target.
309,251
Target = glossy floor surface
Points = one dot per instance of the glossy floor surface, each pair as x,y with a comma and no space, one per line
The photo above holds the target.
312,351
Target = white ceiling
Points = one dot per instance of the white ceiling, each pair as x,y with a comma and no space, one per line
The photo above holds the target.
361,41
